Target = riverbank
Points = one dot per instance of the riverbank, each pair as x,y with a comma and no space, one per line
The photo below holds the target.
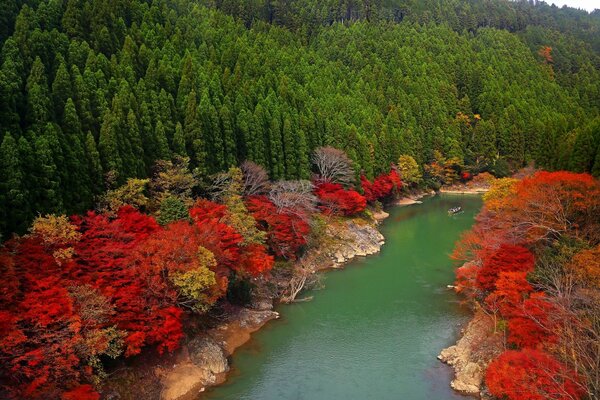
207,364
478,345
202,359
413,198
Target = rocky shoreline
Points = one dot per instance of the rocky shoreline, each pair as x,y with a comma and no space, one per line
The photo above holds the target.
203,359
203,362
479,343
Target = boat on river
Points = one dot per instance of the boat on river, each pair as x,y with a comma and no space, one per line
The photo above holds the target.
455,210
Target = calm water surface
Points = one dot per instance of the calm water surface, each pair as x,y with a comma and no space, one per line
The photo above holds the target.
375,330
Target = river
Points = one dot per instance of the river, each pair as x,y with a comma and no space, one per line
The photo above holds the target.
376,328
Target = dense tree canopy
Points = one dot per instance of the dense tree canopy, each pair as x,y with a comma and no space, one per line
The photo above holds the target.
93,93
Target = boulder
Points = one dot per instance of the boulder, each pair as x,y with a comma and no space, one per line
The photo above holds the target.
208,355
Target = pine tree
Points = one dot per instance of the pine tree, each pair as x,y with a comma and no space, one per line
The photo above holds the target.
61,89
138,168
302,155
228,135
179,141
76,189
275,147
14,207
38,100
289,151
94,166
11,84
46,195
162,149
108,147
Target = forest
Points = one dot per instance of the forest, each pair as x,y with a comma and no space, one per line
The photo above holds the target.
94,93
158,155
77,292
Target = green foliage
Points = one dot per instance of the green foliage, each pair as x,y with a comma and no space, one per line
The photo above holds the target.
500,168
171,209
239,291
115,86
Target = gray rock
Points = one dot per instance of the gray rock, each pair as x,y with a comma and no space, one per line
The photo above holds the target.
208,355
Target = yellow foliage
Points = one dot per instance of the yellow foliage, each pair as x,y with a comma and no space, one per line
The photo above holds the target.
499,191
131,193
55,230
586,266
409,170
238,216
63,255
197,284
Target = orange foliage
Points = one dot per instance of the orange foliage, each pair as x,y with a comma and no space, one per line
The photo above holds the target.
586,266
550,204
546,53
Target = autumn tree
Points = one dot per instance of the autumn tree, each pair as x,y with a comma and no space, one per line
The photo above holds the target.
333,166
409,170
531,375
256,179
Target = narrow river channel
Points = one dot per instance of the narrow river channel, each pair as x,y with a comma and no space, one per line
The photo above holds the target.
375,330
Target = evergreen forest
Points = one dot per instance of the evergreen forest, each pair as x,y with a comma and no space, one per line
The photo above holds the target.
93,93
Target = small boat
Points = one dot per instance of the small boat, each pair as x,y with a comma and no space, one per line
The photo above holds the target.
454,210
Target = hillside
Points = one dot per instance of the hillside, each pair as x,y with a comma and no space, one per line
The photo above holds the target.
93,93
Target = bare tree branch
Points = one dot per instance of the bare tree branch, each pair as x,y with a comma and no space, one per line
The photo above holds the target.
333,165
256,179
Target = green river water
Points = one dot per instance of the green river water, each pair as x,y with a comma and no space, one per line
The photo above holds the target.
376,328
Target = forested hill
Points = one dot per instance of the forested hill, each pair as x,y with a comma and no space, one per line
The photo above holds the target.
94,92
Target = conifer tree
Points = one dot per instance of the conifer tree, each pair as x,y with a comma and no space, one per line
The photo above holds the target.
179,141
38,100
61,89
14,197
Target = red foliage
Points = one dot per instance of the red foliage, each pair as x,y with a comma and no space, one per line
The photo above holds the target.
255,260
465,277
103,258
532,325
540,208
382,186
511,290
507,258
81,392
335,199
54,315
226,243
168,332
466,176
531,375
218,237
40,342
286,232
